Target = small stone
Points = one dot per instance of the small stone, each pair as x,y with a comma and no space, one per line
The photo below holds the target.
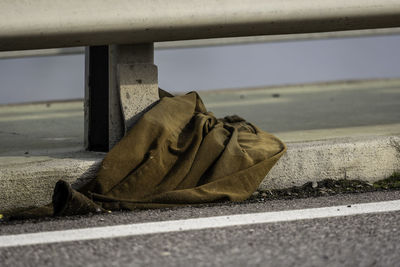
314,184
264,194
255,194
323,192
165,253
330,191
349,206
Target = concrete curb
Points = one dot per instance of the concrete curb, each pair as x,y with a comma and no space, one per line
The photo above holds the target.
30,183
368,159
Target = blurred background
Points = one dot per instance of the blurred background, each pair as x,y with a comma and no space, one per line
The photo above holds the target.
218,67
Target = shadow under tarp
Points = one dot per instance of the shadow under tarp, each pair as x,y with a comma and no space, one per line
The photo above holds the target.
176,154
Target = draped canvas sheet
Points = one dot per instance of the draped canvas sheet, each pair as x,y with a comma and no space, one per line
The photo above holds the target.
176,154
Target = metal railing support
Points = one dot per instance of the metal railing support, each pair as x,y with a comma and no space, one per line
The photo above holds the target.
96,98
121,84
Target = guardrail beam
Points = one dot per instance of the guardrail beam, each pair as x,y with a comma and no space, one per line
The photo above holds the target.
35,24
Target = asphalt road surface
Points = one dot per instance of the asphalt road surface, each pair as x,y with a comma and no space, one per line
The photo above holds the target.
308,107
346,239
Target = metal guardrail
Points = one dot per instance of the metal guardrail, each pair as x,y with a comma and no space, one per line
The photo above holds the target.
37,24
214,42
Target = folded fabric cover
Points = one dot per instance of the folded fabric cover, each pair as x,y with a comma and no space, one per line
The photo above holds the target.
176,154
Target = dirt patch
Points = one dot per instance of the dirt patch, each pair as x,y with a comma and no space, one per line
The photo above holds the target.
326,188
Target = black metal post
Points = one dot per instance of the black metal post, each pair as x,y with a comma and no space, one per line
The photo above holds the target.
96,98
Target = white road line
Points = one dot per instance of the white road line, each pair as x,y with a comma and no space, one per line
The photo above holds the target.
223,104
194,224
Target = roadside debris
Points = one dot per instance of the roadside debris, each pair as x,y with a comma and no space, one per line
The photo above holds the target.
327,187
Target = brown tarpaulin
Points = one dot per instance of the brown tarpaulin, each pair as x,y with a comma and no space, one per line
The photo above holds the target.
176,154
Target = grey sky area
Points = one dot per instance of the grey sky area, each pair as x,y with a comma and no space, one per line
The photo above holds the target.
61,77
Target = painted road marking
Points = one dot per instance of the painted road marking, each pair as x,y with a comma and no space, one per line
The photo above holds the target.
194,224
250,102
